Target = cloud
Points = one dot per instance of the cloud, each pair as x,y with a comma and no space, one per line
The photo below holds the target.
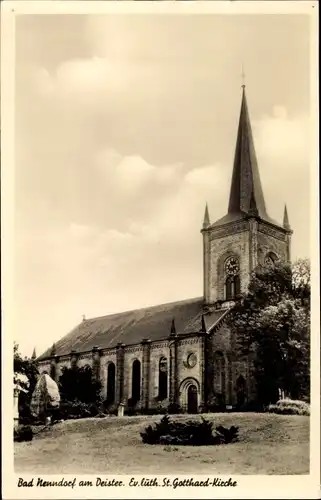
282,143
283,140
118,149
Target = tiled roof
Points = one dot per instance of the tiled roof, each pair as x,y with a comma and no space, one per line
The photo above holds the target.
131,327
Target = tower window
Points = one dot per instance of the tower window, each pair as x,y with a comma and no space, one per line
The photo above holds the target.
232,287
232,280
270,259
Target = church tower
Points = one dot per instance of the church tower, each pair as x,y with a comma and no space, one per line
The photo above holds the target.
246,236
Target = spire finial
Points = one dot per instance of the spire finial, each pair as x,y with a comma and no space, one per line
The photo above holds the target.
34,356
203,325
286,223
206,221
243,77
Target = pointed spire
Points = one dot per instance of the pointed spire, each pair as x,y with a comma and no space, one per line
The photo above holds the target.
246,188
253,208
203,325
206,221
173,327
286,223
34,356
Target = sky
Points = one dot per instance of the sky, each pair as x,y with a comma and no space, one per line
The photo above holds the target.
124,127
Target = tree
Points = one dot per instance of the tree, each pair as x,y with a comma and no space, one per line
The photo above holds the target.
25,379
271,324
78,383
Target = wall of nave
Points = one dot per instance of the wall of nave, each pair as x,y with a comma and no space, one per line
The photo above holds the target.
176,370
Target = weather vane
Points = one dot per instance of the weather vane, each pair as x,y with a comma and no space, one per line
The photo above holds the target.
243,77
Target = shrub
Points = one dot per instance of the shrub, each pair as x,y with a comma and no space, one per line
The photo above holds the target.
174,409
144,411
193,433
23,433
77,409
227,435
26,420
79,384
289,407
251,406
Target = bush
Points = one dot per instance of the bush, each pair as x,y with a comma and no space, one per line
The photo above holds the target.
251,406
174,409
79,384
77,409
26,420
144,411
289,407
23,433
193,433
227,435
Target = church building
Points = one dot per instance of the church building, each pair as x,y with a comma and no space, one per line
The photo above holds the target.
183,353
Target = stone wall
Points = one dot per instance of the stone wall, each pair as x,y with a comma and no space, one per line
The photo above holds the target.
106,358
270,243
220,248
249,241
192,367
131,354
157,351
188,372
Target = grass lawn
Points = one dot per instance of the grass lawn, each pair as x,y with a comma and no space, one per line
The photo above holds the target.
269,444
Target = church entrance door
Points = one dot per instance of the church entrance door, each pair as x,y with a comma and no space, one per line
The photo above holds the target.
192,405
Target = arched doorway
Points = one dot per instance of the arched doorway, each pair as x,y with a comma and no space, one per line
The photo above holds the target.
189,395
192,403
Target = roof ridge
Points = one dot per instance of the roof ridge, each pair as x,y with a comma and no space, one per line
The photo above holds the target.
184,301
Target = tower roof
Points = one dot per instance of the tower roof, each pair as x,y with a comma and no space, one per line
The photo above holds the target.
246,193
246,189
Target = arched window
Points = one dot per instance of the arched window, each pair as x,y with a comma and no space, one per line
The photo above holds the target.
241,390
136,381
270,259
232,278
232,287
162,378
111,378
219,376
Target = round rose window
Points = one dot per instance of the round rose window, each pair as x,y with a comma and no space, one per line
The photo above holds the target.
191,360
